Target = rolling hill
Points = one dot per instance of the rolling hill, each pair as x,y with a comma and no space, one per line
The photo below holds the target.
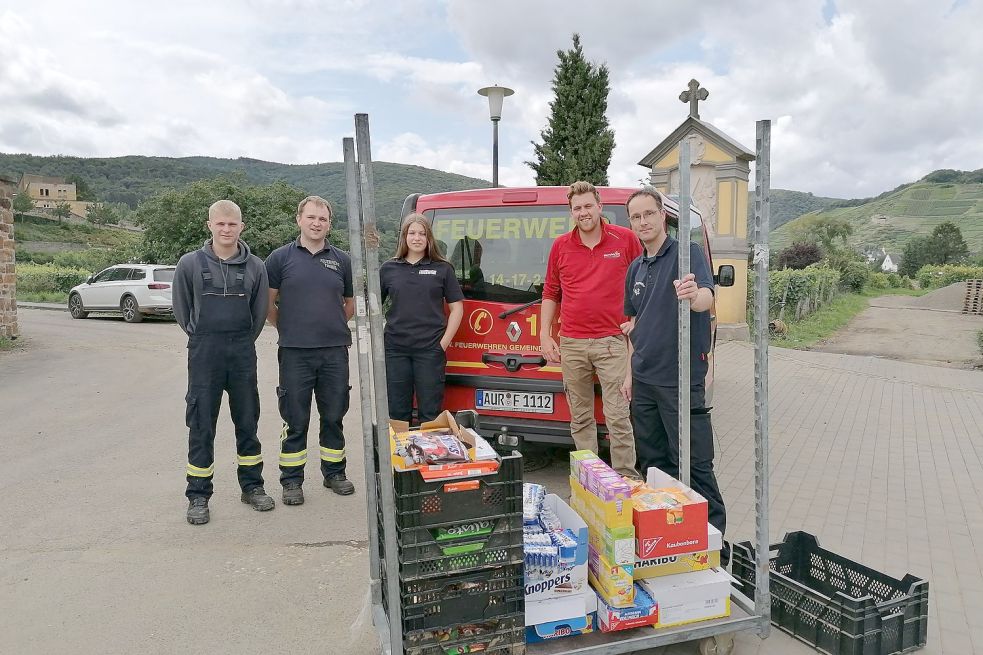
134,178
889,220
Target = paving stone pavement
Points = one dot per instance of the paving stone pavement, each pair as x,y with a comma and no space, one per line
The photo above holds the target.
881,460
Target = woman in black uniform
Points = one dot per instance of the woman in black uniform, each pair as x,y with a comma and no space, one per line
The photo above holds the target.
418,281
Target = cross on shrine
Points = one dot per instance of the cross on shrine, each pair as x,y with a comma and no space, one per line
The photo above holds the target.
693,97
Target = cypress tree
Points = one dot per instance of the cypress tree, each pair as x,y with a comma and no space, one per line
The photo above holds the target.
577,143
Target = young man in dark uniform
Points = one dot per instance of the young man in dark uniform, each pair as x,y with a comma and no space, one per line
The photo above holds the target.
220,295
311,300
652,294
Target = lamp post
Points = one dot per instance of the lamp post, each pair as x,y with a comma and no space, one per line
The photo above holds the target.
496,97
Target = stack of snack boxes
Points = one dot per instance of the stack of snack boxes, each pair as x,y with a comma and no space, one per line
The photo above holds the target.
559,602
652,553
459,533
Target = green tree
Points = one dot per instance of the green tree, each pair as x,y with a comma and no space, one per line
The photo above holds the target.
62,211
22,204
917,253
102,213
578,141
823,229
947,244
174,220
82,189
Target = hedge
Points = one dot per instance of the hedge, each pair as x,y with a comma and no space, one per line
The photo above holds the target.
933,277
808,289
37,278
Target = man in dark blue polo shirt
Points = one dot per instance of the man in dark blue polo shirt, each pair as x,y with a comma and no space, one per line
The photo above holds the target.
652,294
311,301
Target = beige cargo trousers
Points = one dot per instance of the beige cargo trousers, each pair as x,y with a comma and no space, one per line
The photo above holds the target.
580,359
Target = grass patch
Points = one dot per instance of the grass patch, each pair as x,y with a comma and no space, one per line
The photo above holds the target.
40,229
875,293
42,296
823,322
979,341
6,344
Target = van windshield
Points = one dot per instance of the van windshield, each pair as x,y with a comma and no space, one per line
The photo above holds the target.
499,253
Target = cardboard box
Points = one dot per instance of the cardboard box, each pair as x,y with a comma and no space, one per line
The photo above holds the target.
690,597
578,456
567,582
616,543
660,532
398,444
684,563
561,609
612,582
558,629
644,612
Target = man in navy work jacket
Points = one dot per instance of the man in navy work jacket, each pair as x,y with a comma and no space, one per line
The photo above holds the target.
220,296
652,294
311,300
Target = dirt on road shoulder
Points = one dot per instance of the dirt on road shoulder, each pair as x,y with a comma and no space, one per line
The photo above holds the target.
896,328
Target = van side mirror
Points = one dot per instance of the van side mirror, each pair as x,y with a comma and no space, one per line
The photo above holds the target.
725,276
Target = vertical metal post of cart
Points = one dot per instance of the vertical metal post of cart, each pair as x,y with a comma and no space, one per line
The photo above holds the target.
374,309
684,309
762,227
363,347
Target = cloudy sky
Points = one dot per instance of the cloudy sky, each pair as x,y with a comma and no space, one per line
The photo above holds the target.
863,94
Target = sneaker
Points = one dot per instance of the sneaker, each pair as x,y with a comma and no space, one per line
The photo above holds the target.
293,494
198,511
258,498
339,484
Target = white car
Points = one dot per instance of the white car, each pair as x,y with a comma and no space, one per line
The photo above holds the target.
132,289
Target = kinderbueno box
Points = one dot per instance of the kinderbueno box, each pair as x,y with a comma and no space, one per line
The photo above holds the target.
661,531
655,567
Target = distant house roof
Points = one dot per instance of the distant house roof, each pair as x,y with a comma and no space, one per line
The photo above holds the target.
7,180
28,178
708,131
895,257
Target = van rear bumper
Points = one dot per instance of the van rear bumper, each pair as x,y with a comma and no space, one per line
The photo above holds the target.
532,431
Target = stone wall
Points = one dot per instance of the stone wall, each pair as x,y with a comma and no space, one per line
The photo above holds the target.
8,284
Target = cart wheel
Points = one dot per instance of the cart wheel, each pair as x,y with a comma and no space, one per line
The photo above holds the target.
719,645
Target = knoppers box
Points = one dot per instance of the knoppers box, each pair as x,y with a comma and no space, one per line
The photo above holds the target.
568,582
660,532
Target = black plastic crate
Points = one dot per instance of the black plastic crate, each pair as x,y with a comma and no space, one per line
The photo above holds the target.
421,503
456,547
452,600
837,605
503,636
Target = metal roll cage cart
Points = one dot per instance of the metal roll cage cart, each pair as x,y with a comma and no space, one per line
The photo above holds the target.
715,636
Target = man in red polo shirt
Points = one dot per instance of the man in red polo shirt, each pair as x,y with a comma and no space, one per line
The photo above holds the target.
585,276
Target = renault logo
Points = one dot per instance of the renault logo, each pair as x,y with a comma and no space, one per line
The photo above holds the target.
480,321
513,332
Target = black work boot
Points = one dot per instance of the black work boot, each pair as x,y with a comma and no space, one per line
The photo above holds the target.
293,494
198,510
339,484
258,499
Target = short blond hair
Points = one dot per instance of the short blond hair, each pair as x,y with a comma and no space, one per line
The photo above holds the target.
317,200
225,208
580,187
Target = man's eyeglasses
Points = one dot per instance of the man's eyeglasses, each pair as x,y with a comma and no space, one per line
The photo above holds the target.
648,213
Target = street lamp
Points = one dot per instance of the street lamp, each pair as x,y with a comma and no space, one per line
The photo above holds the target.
496,96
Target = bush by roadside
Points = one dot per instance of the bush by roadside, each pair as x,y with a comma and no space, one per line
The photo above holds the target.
934,277
48,278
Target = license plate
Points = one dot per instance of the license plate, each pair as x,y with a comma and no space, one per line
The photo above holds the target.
514,401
